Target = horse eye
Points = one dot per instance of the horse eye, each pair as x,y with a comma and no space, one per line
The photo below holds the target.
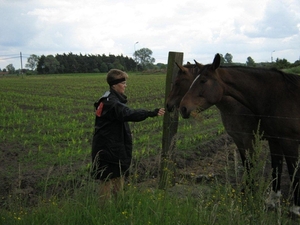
203,81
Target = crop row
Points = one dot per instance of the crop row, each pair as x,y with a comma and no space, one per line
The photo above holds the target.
51,118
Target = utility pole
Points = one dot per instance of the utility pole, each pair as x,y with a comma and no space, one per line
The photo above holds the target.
21,64
135,55
272,56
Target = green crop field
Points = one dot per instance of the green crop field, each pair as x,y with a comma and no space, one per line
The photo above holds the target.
48,120
46,128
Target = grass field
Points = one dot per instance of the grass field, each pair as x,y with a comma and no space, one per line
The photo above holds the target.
46,126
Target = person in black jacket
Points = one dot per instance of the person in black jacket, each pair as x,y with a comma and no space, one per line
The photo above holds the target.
112,139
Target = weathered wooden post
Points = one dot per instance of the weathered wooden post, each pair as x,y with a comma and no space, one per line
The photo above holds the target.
170,124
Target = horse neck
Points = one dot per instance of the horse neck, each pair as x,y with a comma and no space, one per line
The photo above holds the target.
247,86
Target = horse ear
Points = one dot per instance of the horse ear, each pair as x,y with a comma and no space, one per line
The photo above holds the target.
216,62
179,66
199,65
188,63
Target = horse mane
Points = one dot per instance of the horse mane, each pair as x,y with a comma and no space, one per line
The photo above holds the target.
289,78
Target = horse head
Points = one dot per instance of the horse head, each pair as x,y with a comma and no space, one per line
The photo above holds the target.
205,90
184,78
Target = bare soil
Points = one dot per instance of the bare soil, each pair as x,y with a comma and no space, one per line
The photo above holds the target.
216,159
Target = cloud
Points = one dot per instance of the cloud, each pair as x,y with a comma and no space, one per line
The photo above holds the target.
279,21
16,29
199,29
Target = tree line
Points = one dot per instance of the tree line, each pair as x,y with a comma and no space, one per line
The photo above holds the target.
143,60
278,63
74,63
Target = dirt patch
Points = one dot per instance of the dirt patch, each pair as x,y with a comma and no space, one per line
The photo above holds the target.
214,159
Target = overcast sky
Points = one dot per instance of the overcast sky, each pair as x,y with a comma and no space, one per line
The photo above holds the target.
258,28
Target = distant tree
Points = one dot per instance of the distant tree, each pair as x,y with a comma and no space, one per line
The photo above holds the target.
282,64
161,66
118,65
143,57
63,64
10,68
82,63
228,58
32,62
130,64
96,70
103,67
92,64
296,63
71,63
250,62
41,65
51,64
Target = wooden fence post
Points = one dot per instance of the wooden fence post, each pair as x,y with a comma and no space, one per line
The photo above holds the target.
170,124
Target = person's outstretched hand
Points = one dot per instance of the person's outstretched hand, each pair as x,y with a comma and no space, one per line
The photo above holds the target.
161,112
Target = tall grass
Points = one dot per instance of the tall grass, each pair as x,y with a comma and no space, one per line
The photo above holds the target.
205,203
295,70
46,125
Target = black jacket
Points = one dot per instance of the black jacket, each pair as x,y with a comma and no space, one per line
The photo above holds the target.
112,136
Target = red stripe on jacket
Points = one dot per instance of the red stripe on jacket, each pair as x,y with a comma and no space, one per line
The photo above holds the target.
99,109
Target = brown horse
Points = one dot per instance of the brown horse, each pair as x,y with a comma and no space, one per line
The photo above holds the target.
271,95
239,122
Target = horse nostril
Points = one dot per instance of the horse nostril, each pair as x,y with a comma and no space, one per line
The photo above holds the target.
169,108
183,110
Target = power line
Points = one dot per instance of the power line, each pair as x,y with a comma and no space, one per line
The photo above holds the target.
8,55
9,58
14,56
